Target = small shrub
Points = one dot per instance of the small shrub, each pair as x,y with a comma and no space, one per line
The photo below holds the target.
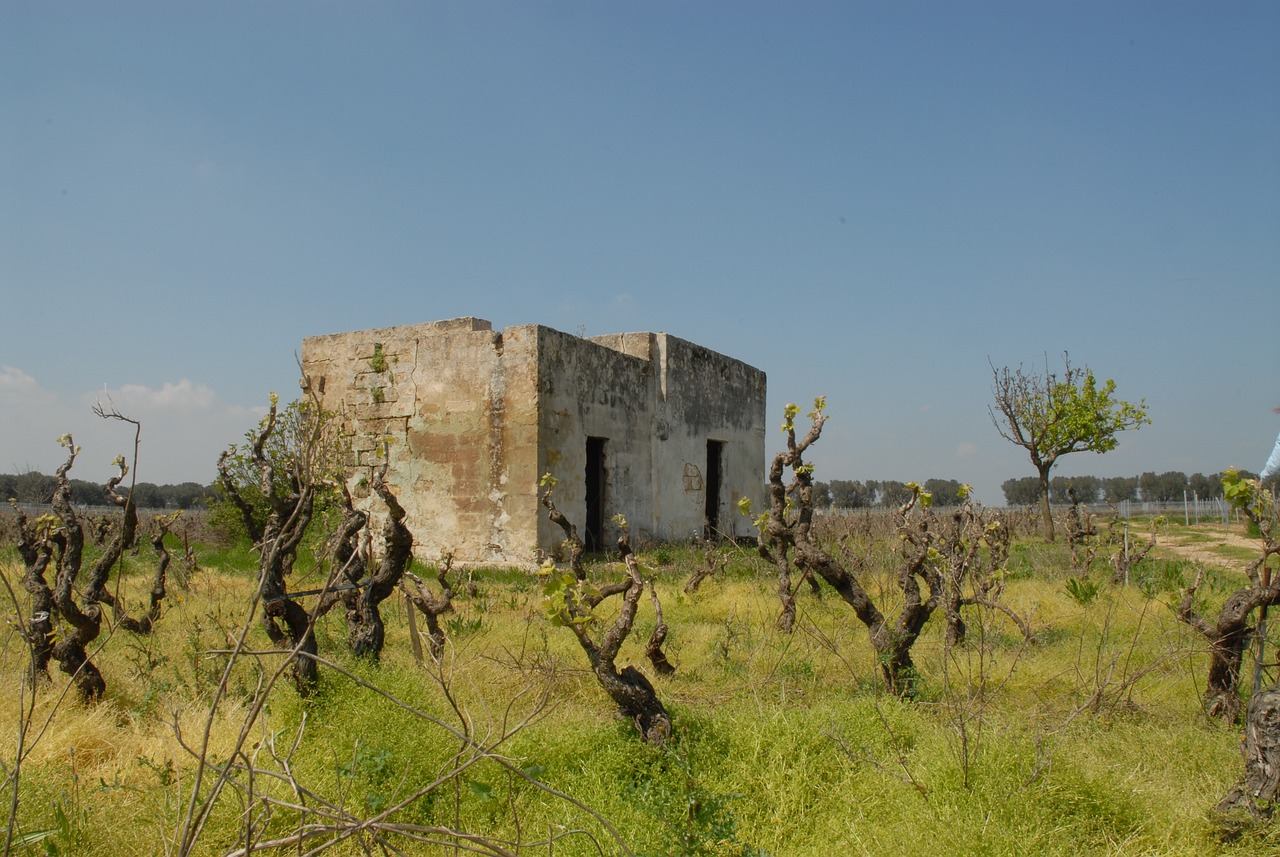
1155,577
378,362
460,626
1082,591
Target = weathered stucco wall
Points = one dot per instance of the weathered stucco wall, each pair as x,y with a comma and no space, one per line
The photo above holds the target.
460,411
708,397
589,390
476,417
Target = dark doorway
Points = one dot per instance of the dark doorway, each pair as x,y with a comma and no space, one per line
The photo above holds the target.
595,493
715,457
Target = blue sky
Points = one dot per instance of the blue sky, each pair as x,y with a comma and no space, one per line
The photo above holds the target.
868,200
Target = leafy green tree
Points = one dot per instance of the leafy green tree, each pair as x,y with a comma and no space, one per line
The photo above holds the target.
893,493
35,487
1117,489
147,495
1054,414
86,493
1088,489
187,494
1167,487
1022,491
1205,487
946,492
850,494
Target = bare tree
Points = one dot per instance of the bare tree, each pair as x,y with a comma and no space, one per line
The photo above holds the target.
785,525
786,533
84,618
1081,536
571,602
60,539
713,561
277,509
349,552
432,606
572,547
367,631
1228,636
1125,554
1230,633
1053,415
972,546
1086,542
362,596
158,582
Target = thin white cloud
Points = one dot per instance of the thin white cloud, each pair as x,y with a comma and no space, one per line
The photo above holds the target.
14,380
31,420
181,396
184,427
966,450
20,390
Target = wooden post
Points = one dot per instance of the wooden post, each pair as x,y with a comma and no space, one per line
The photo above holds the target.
1261,634
414,639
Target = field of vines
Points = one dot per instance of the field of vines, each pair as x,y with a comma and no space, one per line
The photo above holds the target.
1087,735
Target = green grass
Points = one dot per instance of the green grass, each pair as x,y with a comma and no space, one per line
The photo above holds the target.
1090,741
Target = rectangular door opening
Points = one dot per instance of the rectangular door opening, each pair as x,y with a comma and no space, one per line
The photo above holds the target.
712,484
595,483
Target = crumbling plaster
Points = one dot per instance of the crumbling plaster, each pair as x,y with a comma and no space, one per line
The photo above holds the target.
476,416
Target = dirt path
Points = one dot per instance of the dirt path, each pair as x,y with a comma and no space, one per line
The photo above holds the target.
1197,549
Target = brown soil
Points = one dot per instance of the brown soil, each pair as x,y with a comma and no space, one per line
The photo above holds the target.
1206,552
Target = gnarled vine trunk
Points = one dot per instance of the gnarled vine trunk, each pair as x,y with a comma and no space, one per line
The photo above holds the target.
367,632
85,618
290,507
431,606
158,586
1254,799
630,689
37,629
1228,636
786,537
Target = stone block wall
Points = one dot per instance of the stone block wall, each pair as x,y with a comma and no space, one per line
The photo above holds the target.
474,418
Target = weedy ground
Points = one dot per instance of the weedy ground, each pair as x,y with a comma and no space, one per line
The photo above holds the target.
1087,740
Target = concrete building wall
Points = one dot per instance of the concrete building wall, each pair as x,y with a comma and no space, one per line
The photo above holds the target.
460,411
589,390
708,398
476,417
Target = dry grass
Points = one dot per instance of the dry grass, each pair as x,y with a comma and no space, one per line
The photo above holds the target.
1089,741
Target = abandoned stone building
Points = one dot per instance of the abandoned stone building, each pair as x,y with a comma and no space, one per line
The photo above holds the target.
662,431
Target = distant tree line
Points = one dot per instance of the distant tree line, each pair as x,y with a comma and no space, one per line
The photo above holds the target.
1150,487
1025,491
36,487
852,494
